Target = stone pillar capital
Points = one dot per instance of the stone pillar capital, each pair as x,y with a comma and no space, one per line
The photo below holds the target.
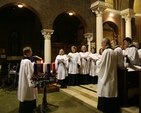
98,7
47,33
127,14
47,44
89,36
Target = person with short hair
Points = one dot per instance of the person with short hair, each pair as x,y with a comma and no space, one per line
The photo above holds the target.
130,53
27,93
73,67
119,53
61,65
107,88
136,44
101,51
93,57
84,68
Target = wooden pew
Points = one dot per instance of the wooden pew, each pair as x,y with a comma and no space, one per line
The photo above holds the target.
126,80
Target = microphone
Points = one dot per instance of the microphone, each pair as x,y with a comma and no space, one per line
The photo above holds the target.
36,52
37,57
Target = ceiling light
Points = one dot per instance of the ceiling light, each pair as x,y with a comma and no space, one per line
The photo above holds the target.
70,13
20,5
111,14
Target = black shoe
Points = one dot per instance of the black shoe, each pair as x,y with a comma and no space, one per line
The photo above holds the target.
63,86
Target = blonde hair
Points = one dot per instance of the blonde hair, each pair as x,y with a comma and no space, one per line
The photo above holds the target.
26,50
83,47
74,47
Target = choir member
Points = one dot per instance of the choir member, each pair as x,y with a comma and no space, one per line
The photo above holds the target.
107,80
61,64
138,46
98,60
73,67
119,53
93,56
131,54
101,51
27,94
84,68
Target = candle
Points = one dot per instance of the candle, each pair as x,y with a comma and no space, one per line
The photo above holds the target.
48,69
41,67
53,67
45,68
35,68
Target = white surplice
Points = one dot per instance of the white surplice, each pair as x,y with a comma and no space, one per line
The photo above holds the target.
84,68
120,59
93,66
26,90
139,52
107,76
132,54
74,62
61,64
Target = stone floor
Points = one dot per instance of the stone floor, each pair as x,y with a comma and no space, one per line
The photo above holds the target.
9,103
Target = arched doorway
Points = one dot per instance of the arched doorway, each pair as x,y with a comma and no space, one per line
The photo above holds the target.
19,27
110,30
68,31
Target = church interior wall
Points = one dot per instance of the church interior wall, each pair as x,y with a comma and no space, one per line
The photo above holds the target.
47,11
137,28
118,21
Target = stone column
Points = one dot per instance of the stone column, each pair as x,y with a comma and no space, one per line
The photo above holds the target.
47,44
127,14
89,37
98,7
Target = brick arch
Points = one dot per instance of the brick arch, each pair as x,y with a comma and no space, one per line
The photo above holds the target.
113,26
24,5
78,16
81,19
76,21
